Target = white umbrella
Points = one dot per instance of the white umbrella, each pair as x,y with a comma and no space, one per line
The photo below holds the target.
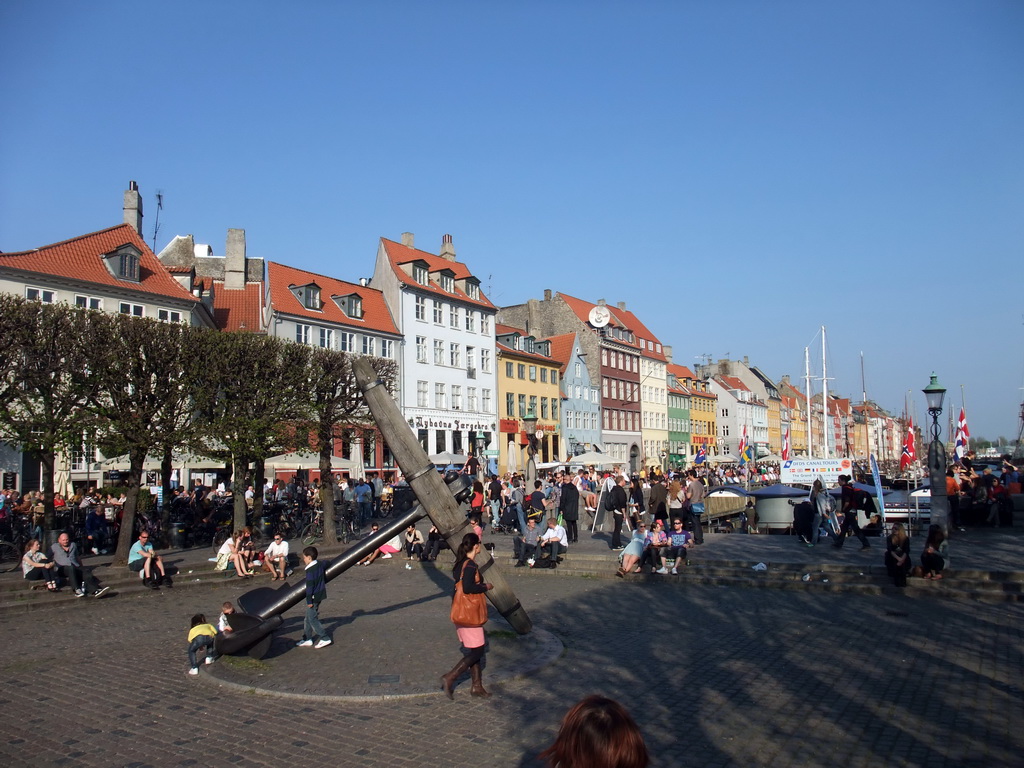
725,458
772,458
308,460
513,454
448,457
595,458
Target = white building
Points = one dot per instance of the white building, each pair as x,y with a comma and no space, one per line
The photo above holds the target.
447,390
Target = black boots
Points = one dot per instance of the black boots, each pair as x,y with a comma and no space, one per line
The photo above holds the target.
448,681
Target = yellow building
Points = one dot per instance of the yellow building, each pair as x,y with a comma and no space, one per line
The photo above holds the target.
703,409
528,383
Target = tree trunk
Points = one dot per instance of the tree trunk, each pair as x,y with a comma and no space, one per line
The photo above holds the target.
239,468
259,468
165,482
327,493
47,459
126,537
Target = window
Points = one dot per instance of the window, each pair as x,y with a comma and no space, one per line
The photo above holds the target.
347,342
543,407
471,360
456,397
421,308
579,392
438,352
439,395
510,404
533,373
508,370
544,376
354,307
604,357
470,321
136,310
485,402
455,354
387,348
128,265
419,274
470,398
579,370
421,394
447,284
88,302
166,315
521,371
473,290
369,345
302,332
453,317
438,312
311,297
421,349
522,406
485,360
327,338
533,404
485,324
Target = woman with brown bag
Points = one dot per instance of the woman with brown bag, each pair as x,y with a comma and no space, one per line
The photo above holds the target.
469,614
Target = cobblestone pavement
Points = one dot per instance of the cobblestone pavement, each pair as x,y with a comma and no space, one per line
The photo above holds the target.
716,677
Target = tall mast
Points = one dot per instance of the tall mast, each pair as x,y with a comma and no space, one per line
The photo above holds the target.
807,391
824,397
867,411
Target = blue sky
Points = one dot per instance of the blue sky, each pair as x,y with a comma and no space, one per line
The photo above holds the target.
739,173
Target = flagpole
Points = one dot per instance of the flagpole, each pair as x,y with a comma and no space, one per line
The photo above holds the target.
963,407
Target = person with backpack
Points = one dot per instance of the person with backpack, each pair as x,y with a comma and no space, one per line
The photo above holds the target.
853,499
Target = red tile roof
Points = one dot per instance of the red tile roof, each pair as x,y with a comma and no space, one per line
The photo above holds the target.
400,254
562,349
731,382
522,353
641,332
376,316
80,258
238,310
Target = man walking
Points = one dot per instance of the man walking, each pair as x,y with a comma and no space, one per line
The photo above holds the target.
616,503
569,506
852,499
695,495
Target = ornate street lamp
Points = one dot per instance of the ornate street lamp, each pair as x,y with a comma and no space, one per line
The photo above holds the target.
934,394
481,442
530,428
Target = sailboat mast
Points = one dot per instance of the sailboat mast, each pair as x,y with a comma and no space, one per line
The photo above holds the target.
824,397
807,390
867,412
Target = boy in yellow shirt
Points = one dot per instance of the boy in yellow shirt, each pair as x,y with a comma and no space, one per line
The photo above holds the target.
201,635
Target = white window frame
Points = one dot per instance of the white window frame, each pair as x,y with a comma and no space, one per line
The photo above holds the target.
303,333
439,395
422,395
421,349
134,310
167,315
438,352
347,341
421,308
369,345
485,360
88,302
438,312
456,397
387,349
327,338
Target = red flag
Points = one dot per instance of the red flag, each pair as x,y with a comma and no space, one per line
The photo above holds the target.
785,447
909,454
961,424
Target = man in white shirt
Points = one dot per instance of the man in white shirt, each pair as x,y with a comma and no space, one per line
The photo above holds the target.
554,541
275,558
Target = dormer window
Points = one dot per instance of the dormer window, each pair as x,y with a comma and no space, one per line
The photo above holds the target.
351,305
419,274
447,283
124,263
473,289
308,296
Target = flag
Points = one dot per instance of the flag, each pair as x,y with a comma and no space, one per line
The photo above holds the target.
743,445
747,455
909,455
961,445
961,425
701,456
785,446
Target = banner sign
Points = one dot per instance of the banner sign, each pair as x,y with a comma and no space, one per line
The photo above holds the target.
804,471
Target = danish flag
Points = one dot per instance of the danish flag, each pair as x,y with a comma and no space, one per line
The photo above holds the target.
785,447
909,455
962,433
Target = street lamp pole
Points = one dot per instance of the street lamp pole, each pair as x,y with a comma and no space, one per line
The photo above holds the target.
480,443
530,428
934,394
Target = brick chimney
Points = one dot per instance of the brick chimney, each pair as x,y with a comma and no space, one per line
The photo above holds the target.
547,294
622,305
409,239
234,261
447,249
133,207
667,350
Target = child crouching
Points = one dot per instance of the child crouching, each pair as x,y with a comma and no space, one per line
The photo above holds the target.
200,636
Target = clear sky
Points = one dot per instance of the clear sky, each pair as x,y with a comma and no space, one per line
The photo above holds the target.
739,173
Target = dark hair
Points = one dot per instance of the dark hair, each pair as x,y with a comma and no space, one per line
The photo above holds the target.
469,541
310,552
597,733
197,620
935,536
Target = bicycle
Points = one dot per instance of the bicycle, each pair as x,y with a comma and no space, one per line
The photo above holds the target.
10,558
313,532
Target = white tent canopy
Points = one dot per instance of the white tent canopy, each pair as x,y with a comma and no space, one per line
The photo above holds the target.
308,460
594,458
448,457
